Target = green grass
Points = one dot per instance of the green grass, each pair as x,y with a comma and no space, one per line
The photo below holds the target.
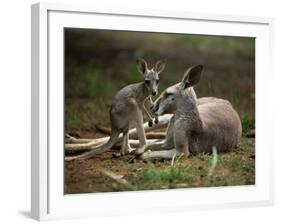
169,177
247,124
97,65
88,82
235,168
238,45
83,114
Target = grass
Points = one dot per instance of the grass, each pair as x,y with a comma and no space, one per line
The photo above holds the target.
247,124
169,177
238,45
99,64
84,113
234,168
87,82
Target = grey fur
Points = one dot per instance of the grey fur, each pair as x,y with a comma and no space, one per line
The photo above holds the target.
198,125
127,108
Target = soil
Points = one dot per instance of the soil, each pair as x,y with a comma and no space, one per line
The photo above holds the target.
86,176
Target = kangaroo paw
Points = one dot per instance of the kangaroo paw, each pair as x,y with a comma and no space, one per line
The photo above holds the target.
156,120
131,151
140,150
150,123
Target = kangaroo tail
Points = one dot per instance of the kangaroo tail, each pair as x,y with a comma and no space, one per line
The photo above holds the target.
104,148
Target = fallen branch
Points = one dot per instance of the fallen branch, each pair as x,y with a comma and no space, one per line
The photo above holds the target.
102,129
156,134
149,135
133,143
118,178
162,123
70,139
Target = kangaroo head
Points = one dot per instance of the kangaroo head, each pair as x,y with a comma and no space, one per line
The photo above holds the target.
151,76
166,102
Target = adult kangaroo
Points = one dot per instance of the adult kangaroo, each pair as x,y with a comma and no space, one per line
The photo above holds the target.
127,107
198,124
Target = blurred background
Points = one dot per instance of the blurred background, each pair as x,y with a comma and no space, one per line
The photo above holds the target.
98,63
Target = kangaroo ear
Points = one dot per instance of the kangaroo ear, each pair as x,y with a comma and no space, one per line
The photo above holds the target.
192,76
141,65
160,65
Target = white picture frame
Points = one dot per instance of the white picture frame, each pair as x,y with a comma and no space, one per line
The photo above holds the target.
48,201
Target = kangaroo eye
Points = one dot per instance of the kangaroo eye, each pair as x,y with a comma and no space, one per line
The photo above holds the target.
147,81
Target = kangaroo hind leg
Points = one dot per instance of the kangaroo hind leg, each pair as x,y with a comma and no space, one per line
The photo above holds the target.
126,148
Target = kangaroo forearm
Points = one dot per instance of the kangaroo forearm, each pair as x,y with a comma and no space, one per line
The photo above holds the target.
147,113
146,104
163,122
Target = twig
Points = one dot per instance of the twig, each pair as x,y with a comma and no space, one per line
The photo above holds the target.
149,135
173,159
155,134
118,178
163,122
71,139
102,129
214,161
180,156
71,148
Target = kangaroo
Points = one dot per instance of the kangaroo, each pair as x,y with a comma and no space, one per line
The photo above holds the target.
169,140
127,107
198,125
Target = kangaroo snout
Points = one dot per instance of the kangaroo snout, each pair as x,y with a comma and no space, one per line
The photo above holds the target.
154,93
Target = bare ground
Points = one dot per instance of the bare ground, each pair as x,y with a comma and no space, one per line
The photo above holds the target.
233,168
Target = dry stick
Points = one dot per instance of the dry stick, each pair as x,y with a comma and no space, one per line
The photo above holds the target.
149,135
69,158
71,139
162,123
173,159
133,143
176,159
102,129
214,161
118,178
84,146
179,157
156,134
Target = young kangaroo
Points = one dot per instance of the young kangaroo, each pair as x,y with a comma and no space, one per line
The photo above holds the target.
198,126
127,107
